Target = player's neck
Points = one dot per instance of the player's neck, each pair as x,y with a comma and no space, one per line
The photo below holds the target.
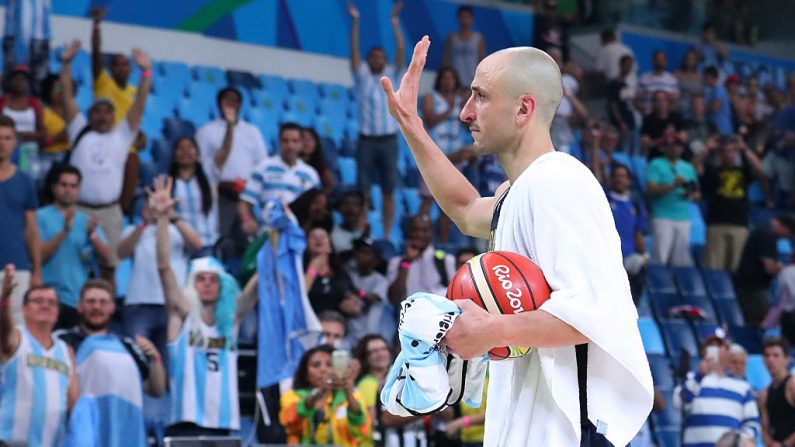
529,149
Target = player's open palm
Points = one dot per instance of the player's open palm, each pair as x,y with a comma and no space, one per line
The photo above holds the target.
403,102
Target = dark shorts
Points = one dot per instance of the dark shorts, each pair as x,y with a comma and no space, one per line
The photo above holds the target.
376,161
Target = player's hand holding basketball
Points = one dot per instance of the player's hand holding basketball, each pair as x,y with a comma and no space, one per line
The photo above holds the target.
472,334
403,102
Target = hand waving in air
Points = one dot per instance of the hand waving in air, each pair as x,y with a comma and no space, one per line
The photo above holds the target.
403,102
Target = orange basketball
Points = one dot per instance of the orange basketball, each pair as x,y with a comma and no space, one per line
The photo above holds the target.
501,282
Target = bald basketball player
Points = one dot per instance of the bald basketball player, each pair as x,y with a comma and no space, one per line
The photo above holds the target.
587,382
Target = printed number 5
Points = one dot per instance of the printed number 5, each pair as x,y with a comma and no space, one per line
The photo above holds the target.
212,361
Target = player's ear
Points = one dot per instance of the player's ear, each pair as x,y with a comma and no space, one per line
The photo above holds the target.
527,109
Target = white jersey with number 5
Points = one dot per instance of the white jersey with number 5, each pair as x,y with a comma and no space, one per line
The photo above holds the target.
203,375
33,386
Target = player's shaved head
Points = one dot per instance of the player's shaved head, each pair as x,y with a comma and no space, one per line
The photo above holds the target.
523,71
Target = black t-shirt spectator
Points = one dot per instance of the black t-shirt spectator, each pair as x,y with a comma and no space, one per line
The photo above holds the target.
726,191
654,127
614,97
762,243
327,292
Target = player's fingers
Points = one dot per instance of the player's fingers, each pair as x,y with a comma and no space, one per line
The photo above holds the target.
418,58
389,89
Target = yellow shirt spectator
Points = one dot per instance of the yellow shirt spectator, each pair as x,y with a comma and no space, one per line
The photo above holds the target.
334,425
54,125
122,98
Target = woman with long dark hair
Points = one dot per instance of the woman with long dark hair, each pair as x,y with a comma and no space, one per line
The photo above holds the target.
312,154
196,203
328,285
323,407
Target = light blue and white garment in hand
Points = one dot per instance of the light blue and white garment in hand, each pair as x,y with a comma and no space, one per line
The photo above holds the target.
424,378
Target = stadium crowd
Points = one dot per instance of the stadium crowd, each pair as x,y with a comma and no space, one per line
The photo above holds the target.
83,366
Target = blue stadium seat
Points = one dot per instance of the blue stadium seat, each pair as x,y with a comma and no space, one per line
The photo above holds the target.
268,100
347,170
659,279
161,155
376,199
84,97
756,372
662,302
333,109
678,335
729,311
640,162
193,110
178,75
175,128
267,121
703,303
160,106
669,438
718,283
151,124
748,337
330,152
334,92
204,93
689,281
412,200
242,79
209,75
330,128
387,248
661,372
306,89
670,418
622,158
650,334
300,111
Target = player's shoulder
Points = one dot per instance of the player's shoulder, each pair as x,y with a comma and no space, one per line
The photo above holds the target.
556,166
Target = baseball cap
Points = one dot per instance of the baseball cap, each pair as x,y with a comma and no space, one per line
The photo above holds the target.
717,334
367,242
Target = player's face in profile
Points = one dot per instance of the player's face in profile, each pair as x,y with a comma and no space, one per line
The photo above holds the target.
488,112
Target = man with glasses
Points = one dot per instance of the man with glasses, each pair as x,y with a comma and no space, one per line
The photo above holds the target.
112,371
70,239
39,385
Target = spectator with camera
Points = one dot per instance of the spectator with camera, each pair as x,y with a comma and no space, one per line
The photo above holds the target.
672,184
714,400
323,406
726,167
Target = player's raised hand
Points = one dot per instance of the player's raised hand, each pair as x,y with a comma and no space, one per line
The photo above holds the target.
403,102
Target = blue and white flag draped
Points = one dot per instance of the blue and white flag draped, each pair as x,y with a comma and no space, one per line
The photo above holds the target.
287,324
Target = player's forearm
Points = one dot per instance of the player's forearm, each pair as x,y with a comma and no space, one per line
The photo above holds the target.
538,329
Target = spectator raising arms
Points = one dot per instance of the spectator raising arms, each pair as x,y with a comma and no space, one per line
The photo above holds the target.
323,407
100,149
464,48
203,319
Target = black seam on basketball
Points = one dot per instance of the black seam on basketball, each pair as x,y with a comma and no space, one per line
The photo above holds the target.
527,283
472,278
488,283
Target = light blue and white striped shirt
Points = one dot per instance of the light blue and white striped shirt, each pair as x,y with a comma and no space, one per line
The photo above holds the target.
374,117
715,404
274,179
189,209
449,134
203,374
33,390
107,372
28,19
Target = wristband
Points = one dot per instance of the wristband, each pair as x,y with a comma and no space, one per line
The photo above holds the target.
405,265
93,236
311,272
245,217
466,420
5,302
143,224
362,294
146,73
155,358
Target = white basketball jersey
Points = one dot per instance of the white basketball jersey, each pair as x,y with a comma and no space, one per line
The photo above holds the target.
33,392
203,375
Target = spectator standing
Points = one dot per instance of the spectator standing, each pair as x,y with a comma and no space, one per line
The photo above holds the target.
230,149
311,209
758,267
100,149
376,153
610,54
550,28
658,79
714,400
144,311
710,51
724,180
282,178
324,407
672,184
699,129
39,385
69,241
27,32
422,268
464,48
353,226
312,154
631,223
327,283
621,109
333,329
203,321
378,316
17,217
663,123
719,108
114,371
56,138
777,402
690,81
570,111
197,204
786,299
18,104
